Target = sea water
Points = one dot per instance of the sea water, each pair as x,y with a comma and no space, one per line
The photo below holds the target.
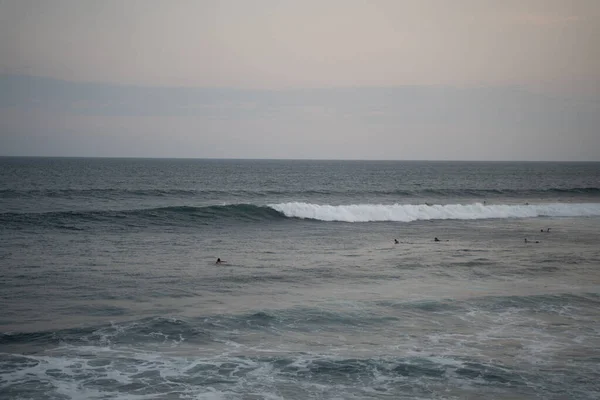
109,287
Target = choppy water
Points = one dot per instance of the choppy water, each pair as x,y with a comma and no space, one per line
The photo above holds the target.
109,288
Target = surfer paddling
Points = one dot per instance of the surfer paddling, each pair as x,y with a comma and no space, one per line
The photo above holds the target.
219,261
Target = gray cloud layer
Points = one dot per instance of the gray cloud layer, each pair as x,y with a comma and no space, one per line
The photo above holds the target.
42,116
308,43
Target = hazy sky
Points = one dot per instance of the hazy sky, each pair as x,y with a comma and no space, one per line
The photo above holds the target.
461,79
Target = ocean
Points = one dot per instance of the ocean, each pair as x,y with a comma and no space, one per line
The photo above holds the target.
109,287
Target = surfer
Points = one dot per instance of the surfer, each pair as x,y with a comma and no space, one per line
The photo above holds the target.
436,240
219,261
396,241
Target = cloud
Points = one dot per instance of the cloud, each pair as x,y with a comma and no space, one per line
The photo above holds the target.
269,44
39,115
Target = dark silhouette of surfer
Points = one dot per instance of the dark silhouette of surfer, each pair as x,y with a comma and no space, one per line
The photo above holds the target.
396,241
436,240
219,261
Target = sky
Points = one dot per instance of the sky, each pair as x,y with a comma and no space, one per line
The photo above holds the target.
329,79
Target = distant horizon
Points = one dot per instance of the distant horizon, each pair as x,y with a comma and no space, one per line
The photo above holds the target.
299,159
41,116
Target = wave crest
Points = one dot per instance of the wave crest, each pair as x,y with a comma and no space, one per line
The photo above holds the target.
250,213
414,212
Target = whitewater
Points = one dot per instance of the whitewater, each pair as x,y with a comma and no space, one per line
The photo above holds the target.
415,212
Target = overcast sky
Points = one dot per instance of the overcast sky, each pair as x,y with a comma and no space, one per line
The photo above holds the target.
371,79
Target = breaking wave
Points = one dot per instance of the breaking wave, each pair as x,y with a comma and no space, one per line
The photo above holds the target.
248,213
415,212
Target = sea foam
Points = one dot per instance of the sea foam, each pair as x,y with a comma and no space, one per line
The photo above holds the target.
414,212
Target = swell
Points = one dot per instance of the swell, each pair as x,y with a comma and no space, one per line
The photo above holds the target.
302,319
163,216
195,330
236,213
582,191
463,192
153,329
558,303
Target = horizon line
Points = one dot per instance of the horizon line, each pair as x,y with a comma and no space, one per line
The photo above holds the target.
296,159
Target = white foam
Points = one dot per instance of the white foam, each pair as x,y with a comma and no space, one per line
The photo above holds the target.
414,212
